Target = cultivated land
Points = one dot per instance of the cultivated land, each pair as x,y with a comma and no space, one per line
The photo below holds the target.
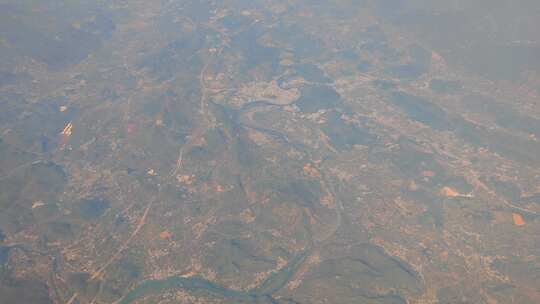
269,151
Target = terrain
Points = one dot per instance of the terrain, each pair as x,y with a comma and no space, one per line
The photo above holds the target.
269,151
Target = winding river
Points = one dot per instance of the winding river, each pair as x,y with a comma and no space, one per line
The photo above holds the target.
198,285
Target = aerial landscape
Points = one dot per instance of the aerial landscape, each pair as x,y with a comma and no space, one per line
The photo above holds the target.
269,151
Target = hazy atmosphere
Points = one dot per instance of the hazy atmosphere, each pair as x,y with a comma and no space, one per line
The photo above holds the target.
270,151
